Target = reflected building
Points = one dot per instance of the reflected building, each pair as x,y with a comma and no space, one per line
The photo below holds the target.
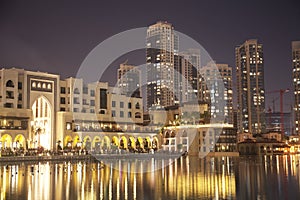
183,178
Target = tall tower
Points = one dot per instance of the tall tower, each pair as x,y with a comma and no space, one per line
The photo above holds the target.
129,80
190,65
296,82
223,94
250,87
162,45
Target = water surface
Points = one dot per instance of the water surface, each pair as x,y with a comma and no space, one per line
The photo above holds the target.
272,177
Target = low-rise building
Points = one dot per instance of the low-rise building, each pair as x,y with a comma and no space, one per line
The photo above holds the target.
39,109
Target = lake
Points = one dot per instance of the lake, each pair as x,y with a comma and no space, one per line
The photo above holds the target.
267,177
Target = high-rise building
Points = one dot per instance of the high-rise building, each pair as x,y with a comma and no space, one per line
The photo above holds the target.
129,80
187,81
296,82
220,92
162,46
274,123
250,87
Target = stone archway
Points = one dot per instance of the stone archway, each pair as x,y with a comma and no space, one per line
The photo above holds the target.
123,143
105,143
87,142
42,122
20,141
147,143
6,141
155,143
68,142
131,143
96,144
140,143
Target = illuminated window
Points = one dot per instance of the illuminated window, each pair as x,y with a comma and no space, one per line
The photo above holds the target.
69,126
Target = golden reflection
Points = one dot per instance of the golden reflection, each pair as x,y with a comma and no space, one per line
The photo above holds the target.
186,178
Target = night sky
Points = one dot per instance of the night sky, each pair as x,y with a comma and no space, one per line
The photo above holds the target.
55,37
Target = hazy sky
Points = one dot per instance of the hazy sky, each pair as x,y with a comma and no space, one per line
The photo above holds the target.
56,36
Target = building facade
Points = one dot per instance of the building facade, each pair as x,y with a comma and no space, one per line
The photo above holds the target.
211,90
296,83
188,75
129,80
273,122
40,110
250,87
162,46
31,99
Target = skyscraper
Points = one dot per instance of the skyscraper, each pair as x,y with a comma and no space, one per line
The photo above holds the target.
250,87
129,80
223,90
296,82
162,46
188,76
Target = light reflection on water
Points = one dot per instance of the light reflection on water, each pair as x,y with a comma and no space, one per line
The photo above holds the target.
269,177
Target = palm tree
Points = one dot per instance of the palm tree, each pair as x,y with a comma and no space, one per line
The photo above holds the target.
38,131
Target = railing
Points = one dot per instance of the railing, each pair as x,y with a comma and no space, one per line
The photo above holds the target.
13,127
114,130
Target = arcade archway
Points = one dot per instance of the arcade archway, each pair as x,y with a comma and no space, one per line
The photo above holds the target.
155,143
131,143
123,143
106,143
87,142
6,141
20,141
68,142
96,145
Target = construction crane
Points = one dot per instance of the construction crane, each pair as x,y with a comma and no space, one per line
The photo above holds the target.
281,93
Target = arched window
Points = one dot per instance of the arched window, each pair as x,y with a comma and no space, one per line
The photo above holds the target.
137,115
49,86
39,85
44,86
76,91
167,134
33,84
137,105
9,83
172,134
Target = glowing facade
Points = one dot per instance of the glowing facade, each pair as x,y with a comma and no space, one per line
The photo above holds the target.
250,87
129,80
296,83
40,109
162,46
226,95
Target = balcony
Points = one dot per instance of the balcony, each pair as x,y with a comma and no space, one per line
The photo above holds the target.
13,128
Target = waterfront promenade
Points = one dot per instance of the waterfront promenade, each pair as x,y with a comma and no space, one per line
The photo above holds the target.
90,157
